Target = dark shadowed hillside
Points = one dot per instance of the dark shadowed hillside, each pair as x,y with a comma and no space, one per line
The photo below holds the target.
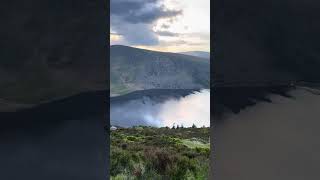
266,41
234,99
63,139
138,69
261,47
265,128
42,117
52,66
51,49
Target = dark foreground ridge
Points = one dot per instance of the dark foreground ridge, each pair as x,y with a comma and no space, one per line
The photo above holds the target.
236,96
235,99
84,106
64,139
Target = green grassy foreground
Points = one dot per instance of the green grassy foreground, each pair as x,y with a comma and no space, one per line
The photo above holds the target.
159,153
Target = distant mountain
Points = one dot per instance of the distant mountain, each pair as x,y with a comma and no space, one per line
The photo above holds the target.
201,54
134,69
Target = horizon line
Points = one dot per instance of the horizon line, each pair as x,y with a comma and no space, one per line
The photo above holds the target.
151,49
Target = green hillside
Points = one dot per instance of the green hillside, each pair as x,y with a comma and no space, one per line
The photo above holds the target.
160,153
134,69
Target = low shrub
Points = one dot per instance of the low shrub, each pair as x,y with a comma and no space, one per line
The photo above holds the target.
142,153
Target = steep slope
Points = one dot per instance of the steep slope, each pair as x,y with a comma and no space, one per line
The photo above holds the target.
138,69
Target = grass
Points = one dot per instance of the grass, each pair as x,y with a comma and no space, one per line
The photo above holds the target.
195,144
159,153
119,89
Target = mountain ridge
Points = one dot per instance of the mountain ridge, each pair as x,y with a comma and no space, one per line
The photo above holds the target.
134,69
202,54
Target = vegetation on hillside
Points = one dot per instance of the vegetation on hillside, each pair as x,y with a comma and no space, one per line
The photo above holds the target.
133,69
159,153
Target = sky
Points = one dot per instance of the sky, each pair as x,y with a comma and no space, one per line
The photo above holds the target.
162,25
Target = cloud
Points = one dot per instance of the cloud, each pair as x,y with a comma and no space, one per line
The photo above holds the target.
150,15
134,19
199,35
174,43
141,11
135,34
167,33
165,26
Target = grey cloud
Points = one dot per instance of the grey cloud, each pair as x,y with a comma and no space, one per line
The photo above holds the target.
136,34
122,6
133,19
165,26
151,15
140,11
167,33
